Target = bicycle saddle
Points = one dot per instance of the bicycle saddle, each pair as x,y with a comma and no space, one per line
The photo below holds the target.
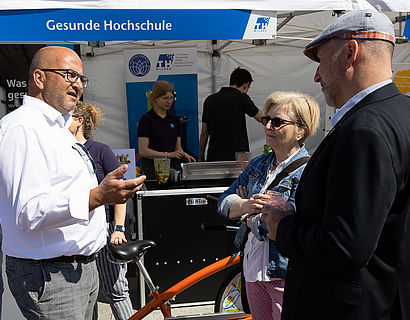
131,249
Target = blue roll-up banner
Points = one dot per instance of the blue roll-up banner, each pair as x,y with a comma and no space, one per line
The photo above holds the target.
406,32
135,24
178,66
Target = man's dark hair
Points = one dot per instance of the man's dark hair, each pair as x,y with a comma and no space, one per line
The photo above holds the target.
240,76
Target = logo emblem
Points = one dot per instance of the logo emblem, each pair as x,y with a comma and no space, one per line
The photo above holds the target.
261,24
165,61
231,298
139,65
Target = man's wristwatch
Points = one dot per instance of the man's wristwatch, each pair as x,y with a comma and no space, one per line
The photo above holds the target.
119,228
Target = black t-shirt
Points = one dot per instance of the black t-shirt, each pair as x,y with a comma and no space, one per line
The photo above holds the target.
224,113
105,162
162,134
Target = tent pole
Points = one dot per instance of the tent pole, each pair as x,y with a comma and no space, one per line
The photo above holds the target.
215,57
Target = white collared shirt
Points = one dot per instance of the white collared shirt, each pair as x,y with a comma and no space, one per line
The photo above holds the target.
273,173
256,252
355,100
45,186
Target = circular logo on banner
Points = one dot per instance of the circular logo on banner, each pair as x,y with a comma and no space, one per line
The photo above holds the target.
139,65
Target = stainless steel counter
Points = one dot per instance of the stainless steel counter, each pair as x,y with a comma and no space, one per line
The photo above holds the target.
212,170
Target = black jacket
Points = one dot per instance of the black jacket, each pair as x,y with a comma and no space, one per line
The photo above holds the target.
349,243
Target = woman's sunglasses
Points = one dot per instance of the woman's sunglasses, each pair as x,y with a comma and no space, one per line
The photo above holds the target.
276,122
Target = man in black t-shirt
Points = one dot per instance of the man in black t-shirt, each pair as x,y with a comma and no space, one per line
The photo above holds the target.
223,119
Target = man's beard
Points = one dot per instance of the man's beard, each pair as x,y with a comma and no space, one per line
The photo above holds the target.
57,101
329,94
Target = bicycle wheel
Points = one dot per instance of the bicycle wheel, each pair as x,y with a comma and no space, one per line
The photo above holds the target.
229,293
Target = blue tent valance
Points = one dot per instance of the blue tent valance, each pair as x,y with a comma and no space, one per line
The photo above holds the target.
135,24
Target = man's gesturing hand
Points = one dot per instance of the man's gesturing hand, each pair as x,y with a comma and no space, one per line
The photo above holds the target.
113,189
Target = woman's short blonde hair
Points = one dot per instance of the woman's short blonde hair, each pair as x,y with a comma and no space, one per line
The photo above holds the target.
92,117
160,89
305,110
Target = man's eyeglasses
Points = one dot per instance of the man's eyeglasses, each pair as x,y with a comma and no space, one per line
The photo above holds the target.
70,75
88,159
276,122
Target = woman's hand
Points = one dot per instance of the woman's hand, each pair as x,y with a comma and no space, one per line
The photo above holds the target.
189,158
242,192
247,206
181,154
117,237
255,203
177,154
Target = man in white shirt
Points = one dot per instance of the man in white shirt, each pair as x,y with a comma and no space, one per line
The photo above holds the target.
51,205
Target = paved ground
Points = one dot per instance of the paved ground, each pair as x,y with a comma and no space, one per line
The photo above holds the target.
104,312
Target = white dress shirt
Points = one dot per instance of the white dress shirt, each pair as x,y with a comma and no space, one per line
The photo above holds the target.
355,100
256,252
45,186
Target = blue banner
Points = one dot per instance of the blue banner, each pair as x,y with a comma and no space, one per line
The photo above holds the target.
185,107
178,66
132,24
406,32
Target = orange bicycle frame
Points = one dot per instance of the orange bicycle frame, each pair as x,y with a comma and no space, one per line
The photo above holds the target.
161,300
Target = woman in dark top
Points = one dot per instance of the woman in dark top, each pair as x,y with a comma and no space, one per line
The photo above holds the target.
159,133
112,276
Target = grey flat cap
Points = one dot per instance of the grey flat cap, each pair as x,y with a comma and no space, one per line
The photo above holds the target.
365,24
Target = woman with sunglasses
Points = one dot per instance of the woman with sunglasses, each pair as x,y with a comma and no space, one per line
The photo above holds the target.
86,118
159,133
290,118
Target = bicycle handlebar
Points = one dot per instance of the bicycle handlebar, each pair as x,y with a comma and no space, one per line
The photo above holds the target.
211,198
218,227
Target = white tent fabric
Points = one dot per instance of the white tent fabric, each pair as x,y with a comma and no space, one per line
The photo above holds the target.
273,68
385,5
278,65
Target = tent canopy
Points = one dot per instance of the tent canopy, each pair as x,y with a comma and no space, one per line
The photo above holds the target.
130,20
279,5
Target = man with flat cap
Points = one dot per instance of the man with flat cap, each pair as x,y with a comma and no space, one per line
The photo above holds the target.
52,212
348,243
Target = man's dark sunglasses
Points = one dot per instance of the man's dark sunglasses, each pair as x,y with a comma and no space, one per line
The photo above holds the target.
276,122
70,75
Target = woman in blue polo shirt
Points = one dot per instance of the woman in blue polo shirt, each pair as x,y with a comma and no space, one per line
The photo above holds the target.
159,133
